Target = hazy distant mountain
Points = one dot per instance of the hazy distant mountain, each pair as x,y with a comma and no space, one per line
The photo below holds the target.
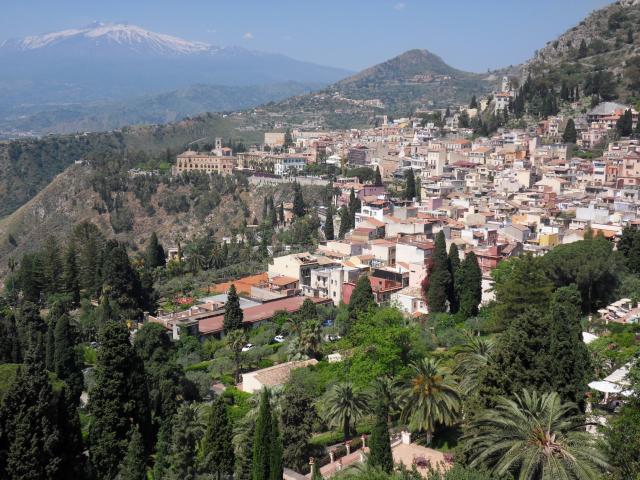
149,109
107,62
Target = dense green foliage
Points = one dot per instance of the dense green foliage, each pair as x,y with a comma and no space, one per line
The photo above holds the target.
440,277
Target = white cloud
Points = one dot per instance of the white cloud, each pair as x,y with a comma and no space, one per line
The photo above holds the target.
399,6
212,30
248,36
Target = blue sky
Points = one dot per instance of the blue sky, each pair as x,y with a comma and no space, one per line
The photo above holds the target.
469,34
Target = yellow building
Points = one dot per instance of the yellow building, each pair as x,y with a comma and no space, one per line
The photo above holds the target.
549,240
204,162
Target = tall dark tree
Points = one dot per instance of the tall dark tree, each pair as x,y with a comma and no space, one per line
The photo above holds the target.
473,103
624,126
52,266
297,418
345,222
218,455
410,184
298,201
134,464
118,401
73,461
71,275
378,178
281,213
469,285
328,224
570,367
570,135
29,436
267,444
583,50
354,207
154,255
524,286
522,358
439,277
233,315
361,297
163,447
66,363
10,350
186,434
120,281
379,442
453,263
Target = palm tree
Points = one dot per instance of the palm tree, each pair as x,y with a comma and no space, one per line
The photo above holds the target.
310,338
430,397
535,436
344,405
387,390
294,324
472,360
236,339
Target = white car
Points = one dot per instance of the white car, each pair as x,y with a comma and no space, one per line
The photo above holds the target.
278,338
247,347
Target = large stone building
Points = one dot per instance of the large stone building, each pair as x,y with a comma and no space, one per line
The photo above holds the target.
204,162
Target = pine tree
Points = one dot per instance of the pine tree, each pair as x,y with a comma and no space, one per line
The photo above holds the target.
120,282
71,275
298,201
345,222
439,277
10,350
72,458
469,286
378,178
328,224
65,361
218,458
154,255
410,186
571,360
52,266
233,315
453,264
263,440
570,135
118,400
379,442
134,465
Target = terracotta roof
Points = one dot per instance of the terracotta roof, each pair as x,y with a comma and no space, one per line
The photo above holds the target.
283,280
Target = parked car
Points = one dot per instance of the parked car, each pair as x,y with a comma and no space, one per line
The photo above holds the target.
333,338
247,347
327,323
278,338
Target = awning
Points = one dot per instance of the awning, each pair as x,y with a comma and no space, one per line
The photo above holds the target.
605,387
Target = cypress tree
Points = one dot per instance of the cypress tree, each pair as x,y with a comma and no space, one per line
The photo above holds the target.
10,350
72,457
379,442
328,225
570,135
571,360
354,207
216,445
624,126
233,315
154,255
345,222
120,282
118,400
453,263
52,266
474,102
71,275
275,455
439,278
410,187
161,464
298,415
281,213
583,51
134,465
362,296
298,201
65,361
264,443
378,178
469,285
186,433
29,436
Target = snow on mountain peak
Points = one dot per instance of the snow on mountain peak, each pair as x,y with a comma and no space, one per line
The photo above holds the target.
125,34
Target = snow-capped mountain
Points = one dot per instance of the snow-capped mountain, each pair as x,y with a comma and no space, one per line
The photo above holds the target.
112,34
106,62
